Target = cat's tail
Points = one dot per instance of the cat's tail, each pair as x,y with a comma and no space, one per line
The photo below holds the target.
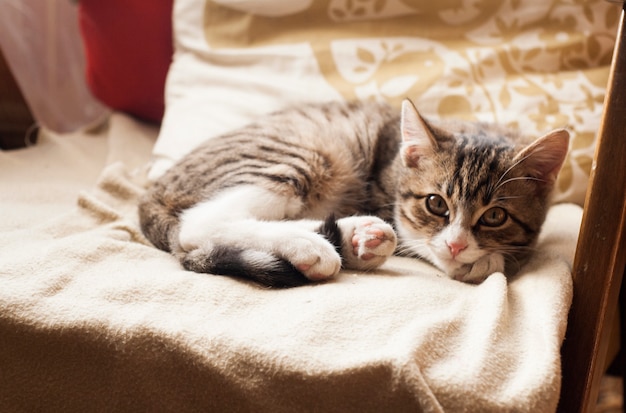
162,228
262,267
158,223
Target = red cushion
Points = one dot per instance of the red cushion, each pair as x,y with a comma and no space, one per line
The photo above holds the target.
128,48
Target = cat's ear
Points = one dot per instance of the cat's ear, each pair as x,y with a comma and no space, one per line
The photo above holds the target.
417,138
544,157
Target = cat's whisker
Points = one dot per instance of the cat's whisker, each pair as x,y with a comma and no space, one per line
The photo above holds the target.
413,246
514,248
504,198
509,169
391,204
512,260
410,247
519,178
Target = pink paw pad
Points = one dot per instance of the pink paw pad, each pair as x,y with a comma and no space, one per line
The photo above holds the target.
304,269
372,240
379,237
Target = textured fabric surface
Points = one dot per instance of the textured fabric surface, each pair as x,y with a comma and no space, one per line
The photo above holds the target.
93,318
534,64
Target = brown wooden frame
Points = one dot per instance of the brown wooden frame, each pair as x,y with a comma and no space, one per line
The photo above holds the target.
600,260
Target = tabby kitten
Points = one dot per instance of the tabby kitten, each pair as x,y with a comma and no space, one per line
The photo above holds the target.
306,191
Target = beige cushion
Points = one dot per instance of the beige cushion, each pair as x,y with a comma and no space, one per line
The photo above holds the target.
533,64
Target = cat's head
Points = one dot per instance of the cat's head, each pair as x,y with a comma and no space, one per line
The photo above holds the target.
472,193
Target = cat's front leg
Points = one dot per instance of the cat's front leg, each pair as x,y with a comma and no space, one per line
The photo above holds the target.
367,241
477,272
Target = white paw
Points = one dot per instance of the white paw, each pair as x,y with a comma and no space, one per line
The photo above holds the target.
367,241
312,255
481,269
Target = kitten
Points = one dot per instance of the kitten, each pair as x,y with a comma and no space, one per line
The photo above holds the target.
306,191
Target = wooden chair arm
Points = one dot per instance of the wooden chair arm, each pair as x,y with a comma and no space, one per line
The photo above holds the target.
601,252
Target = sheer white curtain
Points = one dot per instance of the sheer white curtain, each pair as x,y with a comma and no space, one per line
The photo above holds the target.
41,43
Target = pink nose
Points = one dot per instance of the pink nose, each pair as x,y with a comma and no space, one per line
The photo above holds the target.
456,247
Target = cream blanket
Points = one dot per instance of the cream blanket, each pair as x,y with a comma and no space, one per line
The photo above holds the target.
93,318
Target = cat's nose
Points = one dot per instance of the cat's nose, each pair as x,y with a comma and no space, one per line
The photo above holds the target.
456,247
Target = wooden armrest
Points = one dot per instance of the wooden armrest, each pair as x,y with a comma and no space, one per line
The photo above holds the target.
601,252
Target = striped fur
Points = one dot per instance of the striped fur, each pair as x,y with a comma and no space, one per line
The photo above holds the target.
223,208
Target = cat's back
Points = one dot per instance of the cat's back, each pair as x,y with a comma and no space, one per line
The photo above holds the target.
325,127
319,152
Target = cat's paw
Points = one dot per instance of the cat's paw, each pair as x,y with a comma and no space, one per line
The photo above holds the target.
485,266
367,241
312,255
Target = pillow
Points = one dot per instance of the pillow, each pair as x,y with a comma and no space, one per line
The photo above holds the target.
535,64
128,49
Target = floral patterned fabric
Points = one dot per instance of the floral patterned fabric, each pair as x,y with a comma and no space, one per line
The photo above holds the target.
534,64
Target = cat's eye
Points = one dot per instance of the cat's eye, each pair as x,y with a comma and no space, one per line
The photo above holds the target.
437,206
494,217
